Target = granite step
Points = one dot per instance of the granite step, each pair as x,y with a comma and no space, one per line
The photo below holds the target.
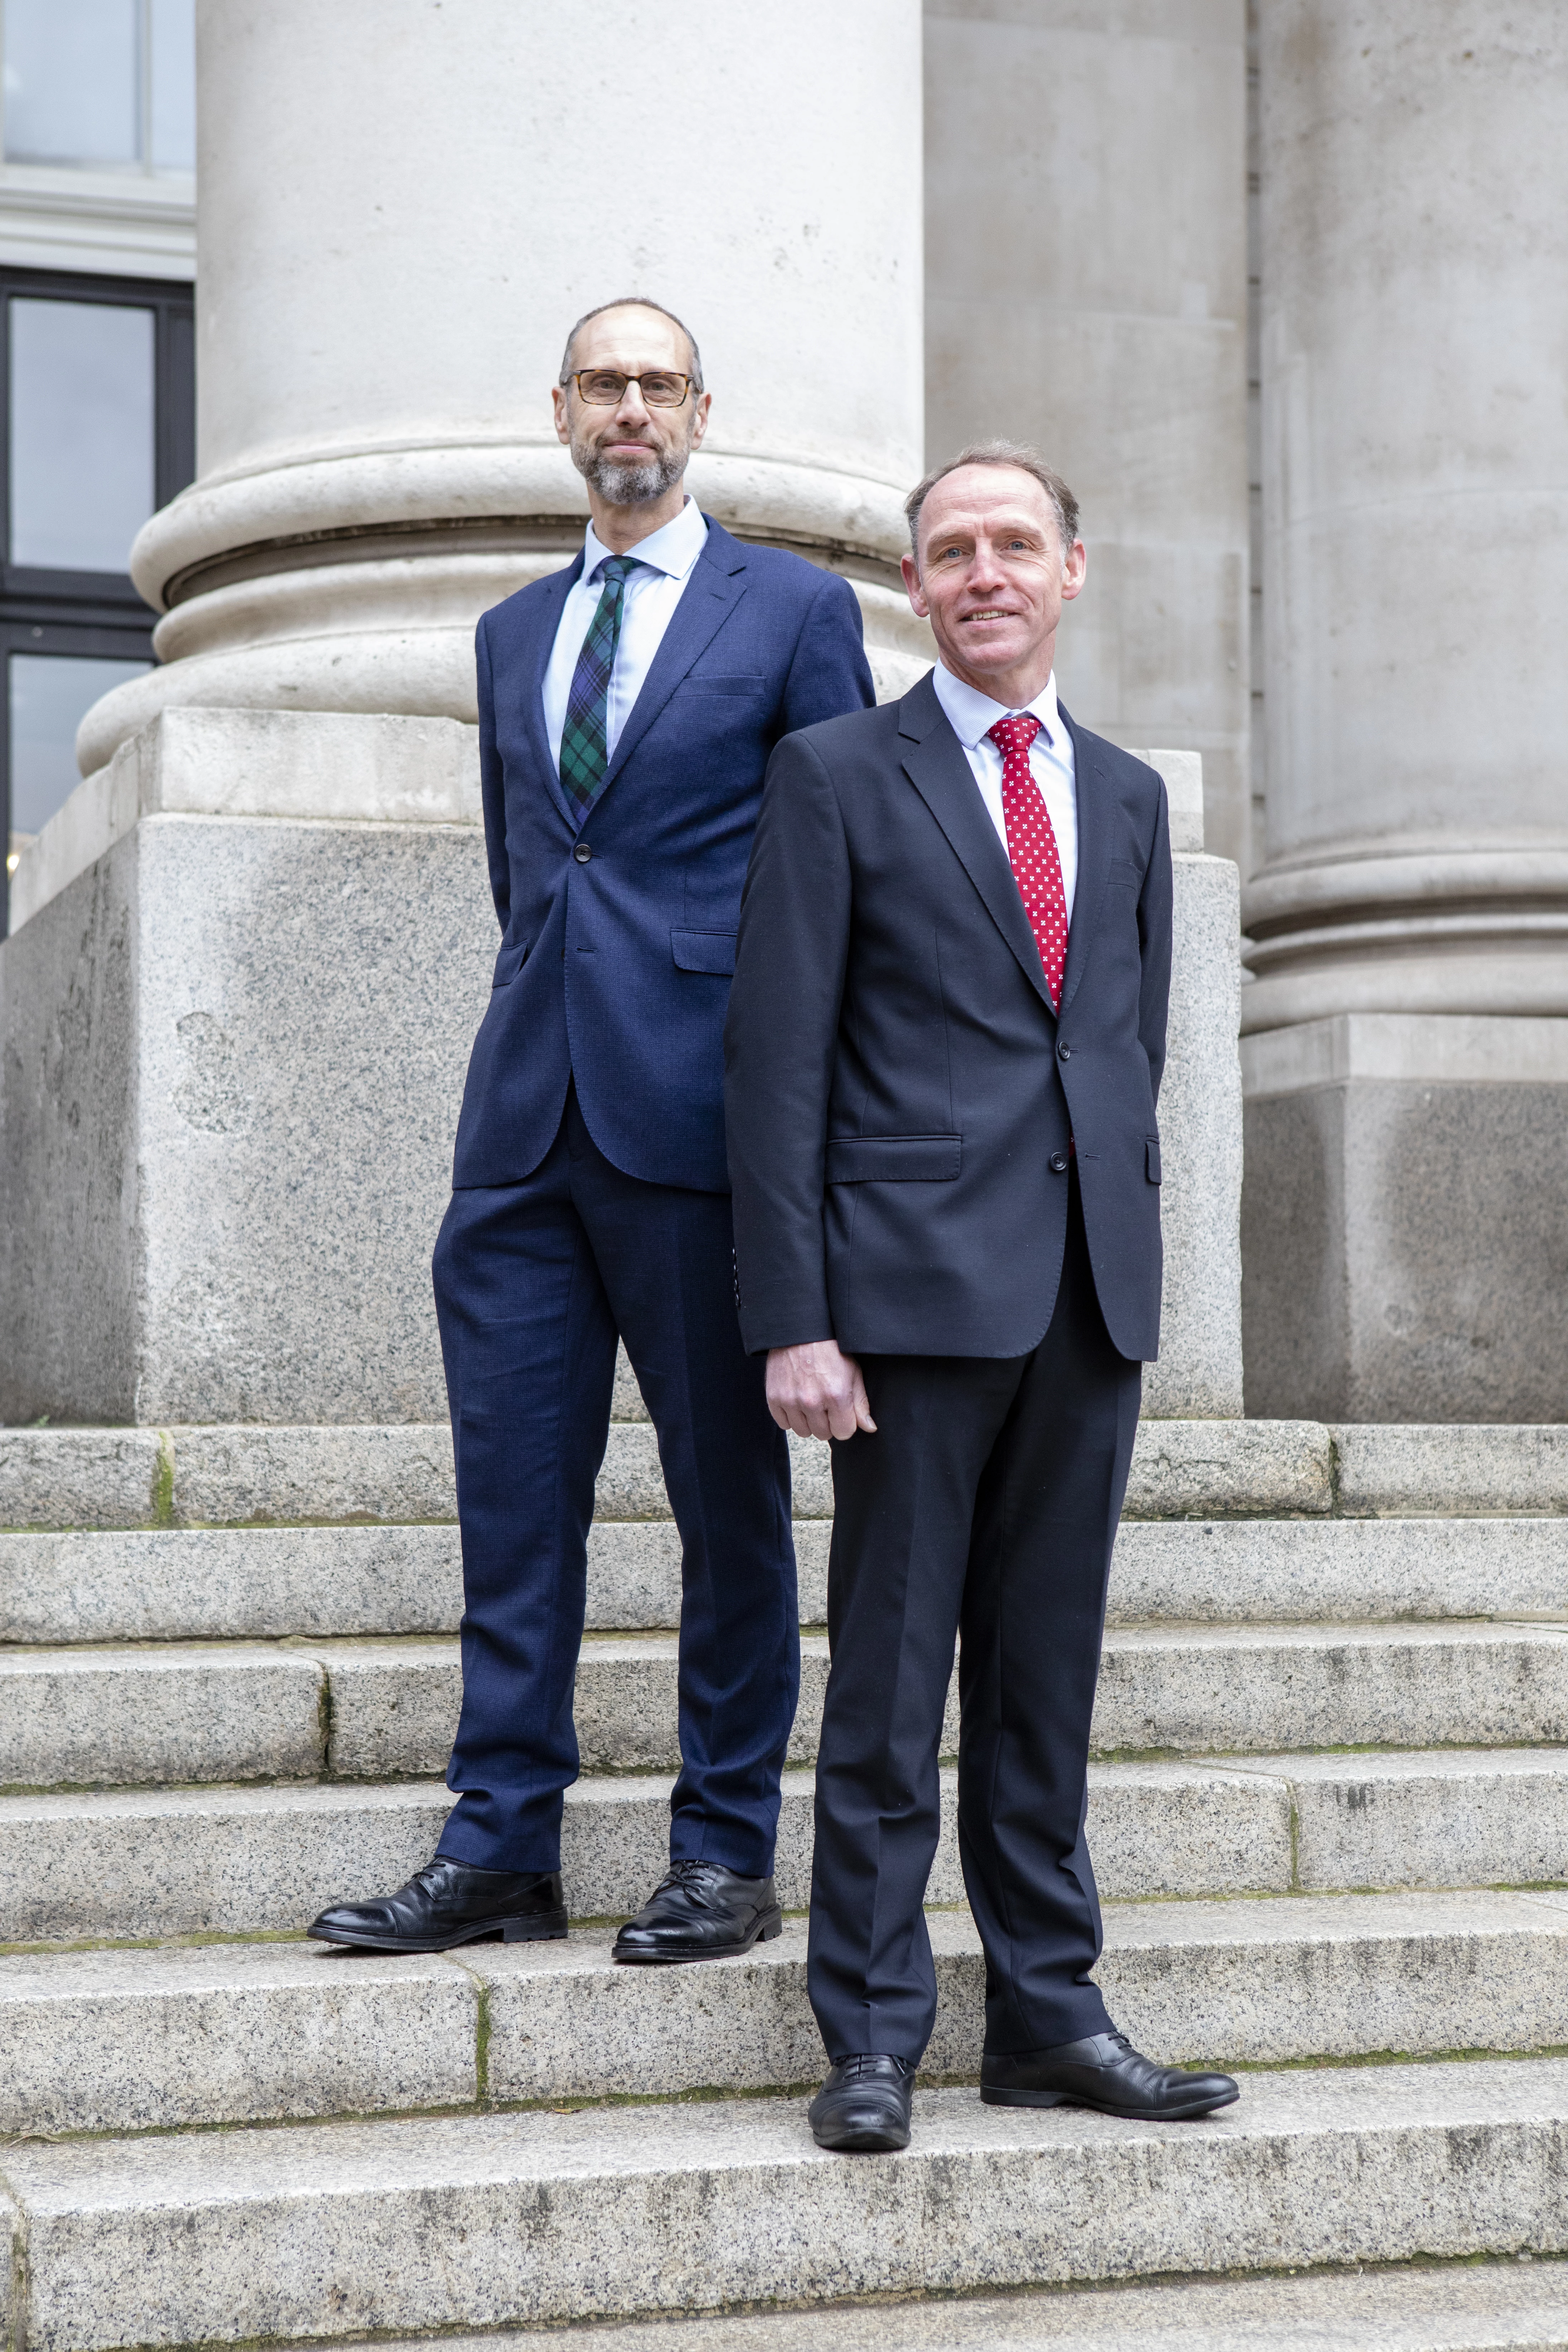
121,1715
245,1475
234,1474
131,1863
1188,1690
119,2040
262,1583
1516,2304
437,2223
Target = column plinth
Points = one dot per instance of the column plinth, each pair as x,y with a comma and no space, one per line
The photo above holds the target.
1408,1015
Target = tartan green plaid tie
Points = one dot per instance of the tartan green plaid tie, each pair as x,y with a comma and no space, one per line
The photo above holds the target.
585,748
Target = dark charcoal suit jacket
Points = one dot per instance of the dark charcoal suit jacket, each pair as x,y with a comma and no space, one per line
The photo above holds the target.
618,931
897,1083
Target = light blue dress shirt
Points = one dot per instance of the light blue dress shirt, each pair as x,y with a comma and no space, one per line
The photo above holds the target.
664,560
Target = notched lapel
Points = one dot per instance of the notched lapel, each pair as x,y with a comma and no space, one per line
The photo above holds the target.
709,596
934,762
1096,831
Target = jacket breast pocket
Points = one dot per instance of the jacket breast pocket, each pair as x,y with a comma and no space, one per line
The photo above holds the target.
735,685
1151,1158
712,951
894,1159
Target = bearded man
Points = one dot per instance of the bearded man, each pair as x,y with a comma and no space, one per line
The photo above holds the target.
628,706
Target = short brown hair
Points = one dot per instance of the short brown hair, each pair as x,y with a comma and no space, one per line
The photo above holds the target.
998,453
633,302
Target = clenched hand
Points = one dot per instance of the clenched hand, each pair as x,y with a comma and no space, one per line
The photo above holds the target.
818,1391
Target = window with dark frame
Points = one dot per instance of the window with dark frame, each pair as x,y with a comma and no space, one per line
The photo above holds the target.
98,387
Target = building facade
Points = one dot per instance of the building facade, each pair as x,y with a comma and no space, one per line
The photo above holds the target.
97,263
1277,289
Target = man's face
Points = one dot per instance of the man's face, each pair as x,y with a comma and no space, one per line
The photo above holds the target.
992,574
630,453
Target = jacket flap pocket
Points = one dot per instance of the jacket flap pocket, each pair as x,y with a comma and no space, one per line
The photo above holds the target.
1151,1158
509,963
894,1159
704,951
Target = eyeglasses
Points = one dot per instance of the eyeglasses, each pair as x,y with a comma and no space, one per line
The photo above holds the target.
606,387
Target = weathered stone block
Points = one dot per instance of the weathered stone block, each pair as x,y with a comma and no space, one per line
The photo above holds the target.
231,1056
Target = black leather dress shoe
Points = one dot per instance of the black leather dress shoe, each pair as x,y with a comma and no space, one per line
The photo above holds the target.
449,1903
700,1911
1107,2072
863,2109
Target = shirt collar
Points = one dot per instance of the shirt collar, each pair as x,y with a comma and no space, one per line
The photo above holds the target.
673,549
971,714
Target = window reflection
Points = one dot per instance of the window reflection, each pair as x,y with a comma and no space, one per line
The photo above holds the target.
81,433
50,695
71,76
174,80
99,83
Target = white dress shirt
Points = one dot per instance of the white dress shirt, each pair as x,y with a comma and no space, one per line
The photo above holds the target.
971,713
653,591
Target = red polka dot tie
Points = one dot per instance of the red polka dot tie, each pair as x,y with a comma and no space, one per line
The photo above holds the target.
1032,846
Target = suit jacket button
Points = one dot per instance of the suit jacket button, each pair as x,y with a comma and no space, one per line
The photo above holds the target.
581,853
1064,1049
1058,1164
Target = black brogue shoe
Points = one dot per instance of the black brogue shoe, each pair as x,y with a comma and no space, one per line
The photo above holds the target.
449,1903
700,1911
1105,2072
863,2109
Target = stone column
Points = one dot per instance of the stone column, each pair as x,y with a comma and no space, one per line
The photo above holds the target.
1086,288
252,950
1406,1212
403,203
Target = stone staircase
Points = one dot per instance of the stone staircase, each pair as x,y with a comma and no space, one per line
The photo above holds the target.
1330,1813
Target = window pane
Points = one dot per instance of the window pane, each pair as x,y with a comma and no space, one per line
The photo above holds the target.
50,696
71,82
81,432
175,85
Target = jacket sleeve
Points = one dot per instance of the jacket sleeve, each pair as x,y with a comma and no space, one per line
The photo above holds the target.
492,784
1154,926
828,673
779,1045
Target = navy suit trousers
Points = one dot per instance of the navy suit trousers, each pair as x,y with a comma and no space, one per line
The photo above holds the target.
985,1507
534,1281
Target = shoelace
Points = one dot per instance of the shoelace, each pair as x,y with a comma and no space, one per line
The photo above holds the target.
862,2063
689,1877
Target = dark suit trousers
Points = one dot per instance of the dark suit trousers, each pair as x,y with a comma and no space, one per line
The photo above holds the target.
985,1505
533,1283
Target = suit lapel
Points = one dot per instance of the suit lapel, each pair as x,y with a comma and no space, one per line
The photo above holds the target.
548,608
710,596
1095,833
935,764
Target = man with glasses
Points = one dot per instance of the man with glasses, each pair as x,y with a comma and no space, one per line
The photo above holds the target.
627,709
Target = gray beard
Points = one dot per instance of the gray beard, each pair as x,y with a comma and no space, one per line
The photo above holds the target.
629,484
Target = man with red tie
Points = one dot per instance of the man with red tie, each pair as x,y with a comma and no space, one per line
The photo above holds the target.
943,1053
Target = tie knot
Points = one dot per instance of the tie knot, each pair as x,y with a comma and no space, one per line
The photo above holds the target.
1016,732
617,569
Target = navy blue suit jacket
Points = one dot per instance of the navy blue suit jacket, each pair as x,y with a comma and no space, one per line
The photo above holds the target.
618,933
901,1091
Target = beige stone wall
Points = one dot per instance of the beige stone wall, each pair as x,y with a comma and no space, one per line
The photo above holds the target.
1086,288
